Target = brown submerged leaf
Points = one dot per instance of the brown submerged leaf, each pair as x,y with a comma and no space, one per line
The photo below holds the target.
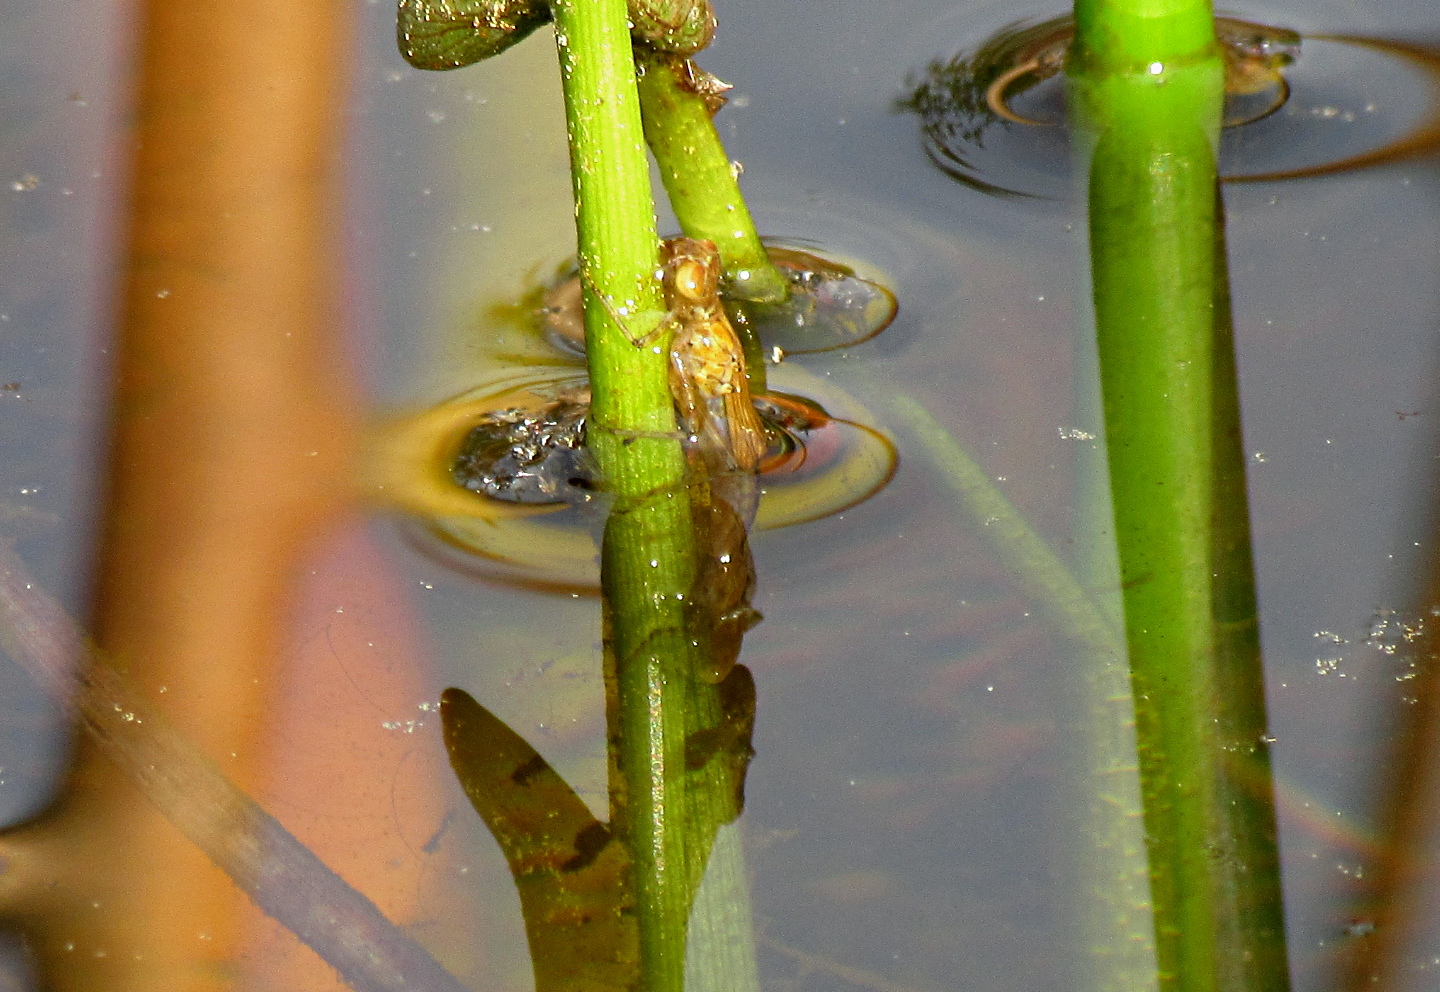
572,873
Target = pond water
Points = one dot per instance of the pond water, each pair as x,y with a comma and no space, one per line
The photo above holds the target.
908,808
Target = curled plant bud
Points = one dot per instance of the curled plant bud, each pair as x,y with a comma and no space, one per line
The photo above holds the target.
680,27
449,34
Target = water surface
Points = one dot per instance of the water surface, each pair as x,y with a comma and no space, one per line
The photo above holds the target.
909,803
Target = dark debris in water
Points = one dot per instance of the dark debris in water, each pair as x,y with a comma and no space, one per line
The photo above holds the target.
525,456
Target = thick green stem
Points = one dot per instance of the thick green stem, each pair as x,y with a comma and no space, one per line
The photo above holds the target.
1147,82
1123,37
1152,223
703,189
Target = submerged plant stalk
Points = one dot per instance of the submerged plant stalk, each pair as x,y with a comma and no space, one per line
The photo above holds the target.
1114,888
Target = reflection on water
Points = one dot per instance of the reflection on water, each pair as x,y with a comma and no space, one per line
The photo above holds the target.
58,186
1016,77
503,490
902,808
995,119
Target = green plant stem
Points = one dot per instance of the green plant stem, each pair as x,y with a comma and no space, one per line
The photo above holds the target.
632,418
1152,223
665,811
1147,82
703,189
1116,38
632,432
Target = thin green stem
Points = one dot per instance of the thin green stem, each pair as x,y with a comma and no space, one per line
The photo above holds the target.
647,556
632,420
666,803
1036,569
698,177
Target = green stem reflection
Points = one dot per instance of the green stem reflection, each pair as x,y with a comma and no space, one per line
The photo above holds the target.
679,744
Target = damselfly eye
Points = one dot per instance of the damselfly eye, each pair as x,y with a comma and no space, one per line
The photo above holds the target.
693,280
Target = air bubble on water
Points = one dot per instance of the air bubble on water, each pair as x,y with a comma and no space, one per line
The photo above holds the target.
25,183
1388,631
1325,665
